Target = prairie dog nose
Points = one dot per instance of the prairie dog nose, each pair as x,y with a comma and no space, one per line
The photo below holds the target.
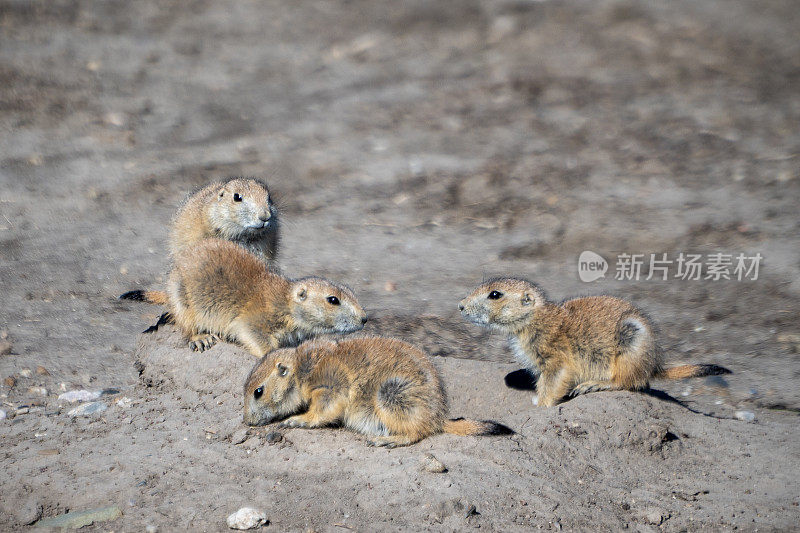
460,306
264,216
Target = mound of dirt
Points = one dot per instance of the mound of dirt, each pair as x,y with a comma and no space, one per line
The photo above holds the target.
591,451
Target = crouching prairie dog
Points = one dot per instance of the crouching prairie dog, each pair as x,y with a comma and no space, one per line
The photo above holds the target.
578,346
239,210
218,289
383,388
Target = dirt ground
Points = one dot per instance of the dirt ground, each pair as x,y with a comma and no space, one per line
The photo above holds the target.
415,149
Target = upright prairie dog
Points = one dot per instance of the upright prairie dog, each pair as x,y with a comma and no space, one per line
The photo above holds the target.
383,388
239,210
579,346
218,289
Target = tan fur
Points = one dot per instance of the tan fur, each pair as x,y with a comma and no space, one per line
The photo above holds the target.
156,297
218,289
212,212
383,388
583,345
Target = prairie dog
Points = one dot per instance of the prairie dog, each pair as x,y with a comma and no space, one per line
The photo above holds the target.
579,346
218,289
383,388
239,210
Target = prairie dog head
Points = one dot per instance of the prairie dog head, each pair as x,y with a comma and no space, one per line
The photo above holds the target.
506,304
320,306
272,390
242,206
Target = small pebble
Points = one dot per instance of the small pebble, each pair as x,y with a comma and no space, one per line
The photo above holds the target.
39,391
42,371
5,347
656,517
79,396
274,436
2,414
429,463
390,286
745,416
687,391
87,409
150,528
116,119
535,399
10,381
247,518
239,436
25,373
124,402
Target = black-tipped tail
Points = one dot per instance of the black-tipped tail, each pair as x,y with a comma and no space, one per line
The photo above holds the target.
692,371
464,427
138,296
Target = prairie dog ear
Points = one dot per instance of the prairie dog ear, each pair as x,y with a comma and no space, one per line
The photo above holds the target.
282,369
301,294
527,298
221,194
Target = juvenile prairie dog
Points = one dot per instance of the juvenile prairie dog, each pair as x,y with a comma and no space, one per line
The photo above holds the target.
579,346
383,388
239,210
218,289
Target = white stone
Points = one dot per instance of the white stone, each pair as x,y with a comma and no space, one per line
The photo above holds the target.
124,402
79,396
745,416
247,518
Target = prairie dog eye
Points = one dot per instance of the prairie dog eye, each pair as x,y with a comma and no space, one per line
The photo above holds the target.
495,295
333,300
237,197
258,392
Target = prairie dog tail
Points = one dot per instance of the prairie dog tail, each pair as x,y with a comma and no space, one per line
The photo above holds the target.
464,427
153,297
691,371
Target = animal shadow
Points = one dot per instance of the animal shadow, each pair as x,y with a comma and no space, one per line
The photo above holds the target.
520,380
